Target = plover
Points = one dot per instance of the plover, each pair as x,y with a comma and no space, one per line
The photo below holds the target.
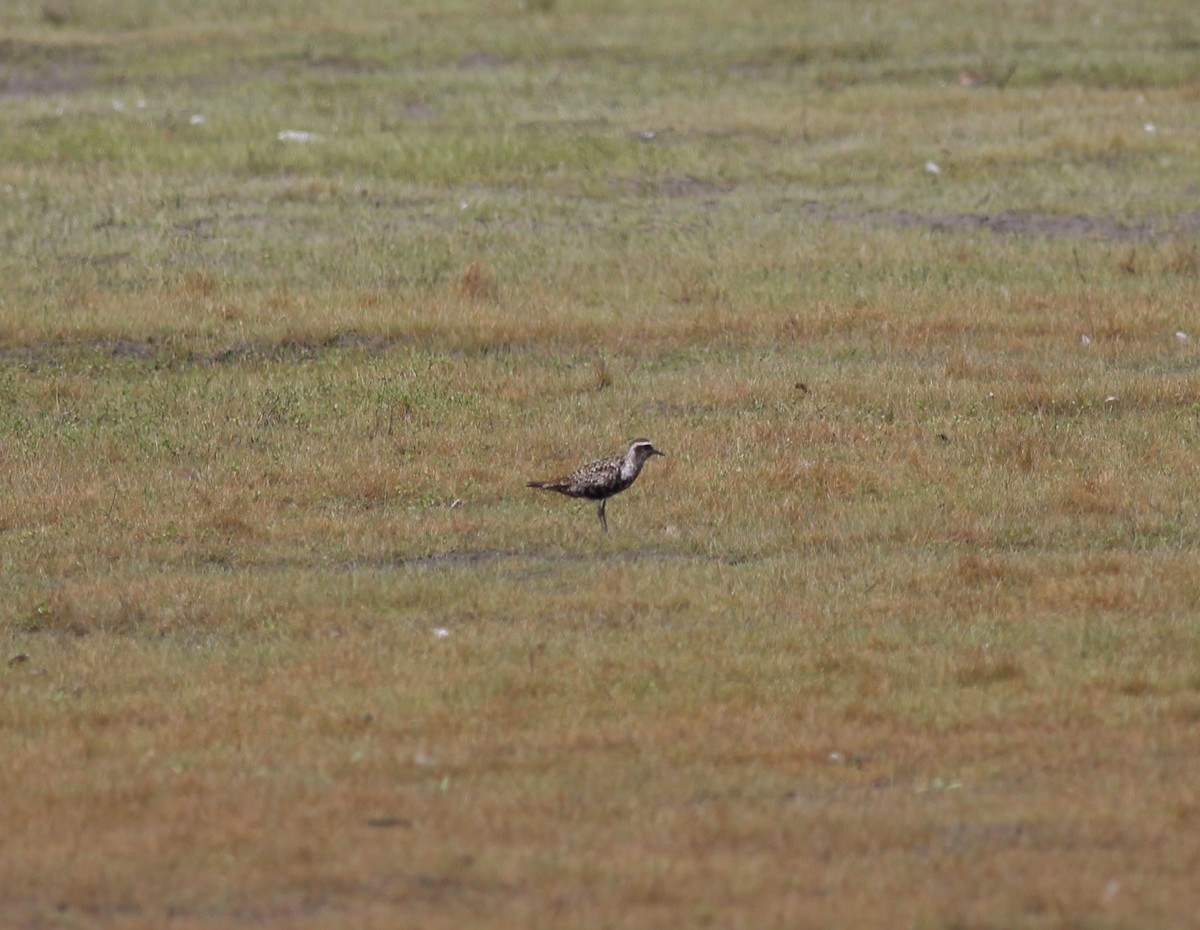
601,479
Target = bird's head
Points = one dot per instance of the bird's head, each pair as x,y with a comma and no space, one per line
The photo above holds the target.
642,449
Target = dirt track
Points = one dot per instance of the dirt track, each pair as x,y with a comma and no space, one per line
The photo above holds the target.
1078,226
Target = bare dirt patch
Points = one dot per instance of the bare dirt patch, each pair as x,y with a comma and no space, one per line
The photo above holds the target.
31,69
168,353
475,558
1018,222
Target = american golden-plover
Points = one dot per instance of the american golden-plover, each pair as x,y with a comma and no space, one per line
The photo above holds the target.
601,479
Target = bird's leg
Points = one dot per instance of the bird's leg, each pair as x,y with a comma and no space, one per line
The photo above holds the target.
603,522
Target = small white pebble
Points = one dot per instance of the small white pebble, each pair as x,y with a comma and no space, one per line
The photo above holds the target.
1150,127
932,167
835,757
647,134
441,632
464,205
1181,336
1085,339
196,119
298,135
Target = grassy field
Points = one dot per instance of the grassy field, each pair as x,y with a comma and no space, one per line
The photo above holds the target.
904,631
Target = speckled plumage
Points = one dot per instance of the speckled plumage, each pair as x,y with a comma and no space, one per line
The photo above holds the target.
601,479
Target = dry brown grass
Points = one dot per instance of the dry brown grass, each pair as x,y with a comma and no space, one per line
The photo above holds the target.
904,678
452,808
902,632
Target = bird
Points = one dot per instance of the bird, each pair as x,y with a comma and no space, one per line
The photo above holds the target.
601,479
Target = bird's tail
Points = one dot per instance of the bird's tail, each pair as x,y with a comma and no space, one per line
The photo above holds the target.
539,484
